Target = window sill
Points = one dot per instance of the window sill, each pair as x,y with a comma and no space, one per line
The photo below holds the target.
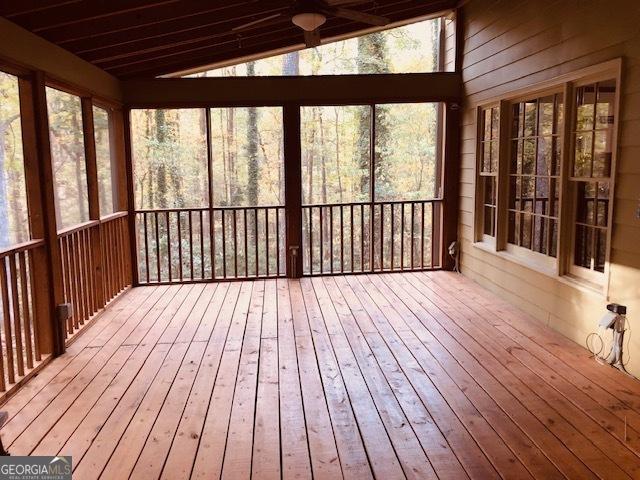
569,280
583,285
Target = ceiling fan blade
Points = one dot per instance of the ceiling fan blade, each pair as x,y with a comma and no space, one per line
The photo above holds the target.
360,16
312,39
257,22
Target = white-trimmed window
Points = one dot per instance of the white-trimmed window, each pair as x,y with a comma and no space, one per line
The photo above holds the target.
547,201
535,148
590,178
489,147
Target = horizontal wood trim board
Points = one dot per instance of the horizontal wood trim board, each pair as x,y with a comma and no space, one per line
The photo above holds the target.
425,87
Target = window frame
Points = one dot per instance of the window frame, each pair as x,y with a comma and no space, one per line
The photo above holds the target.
593,278
479,235
83,129
113,154
562,266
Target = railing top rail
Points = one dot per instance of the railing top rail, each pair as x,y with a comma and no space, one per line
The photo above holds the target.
77,228
204,209
21,247
356,204
113,216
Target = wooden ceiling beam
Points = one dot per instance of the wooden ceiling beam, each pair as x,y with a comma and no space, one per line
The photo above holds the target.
316,90
64,16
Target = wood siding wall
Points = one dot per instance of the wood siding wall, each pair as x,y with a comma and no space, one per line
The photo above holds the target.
509,45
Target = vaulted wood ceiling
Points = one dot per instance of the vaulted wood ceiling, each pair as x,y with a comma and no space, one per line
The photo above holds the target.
143,38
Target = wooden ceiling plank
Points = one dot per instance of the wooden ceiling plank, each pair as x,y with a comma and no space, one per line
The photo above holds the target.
195,27
162,15
162,65
64,16
13,8
144,48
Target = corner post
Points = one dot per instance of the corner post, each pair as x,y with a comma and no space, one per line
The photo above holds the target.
47,265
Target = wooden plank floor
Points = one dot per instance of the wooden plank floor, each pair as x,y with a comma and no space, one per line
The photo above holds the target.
412,375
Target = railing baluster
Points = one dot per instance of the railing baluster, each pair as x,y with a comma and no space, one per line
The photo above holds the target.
402,236
179,224
362,238
246,243
235,244
393,234
433,252
17,324
212,242
26,314
381,237
341,239
310,228
266,239
413,217
224,246
321,242
146,245
190,245
201,246
278,242
158,279
351,223
7,320
32,287
255,240
422,238
168,226
331,236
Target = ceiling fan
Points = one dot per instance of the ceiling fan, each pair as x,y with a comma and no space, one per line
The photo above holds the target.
309,15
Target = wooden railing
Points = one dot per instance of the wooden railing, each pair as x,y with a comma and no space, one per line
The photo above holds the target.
95,267
200,244
19,346
371,237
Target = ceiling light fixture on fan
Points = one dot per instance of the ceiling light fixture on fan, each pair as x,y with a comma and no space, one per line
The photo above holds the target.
309,15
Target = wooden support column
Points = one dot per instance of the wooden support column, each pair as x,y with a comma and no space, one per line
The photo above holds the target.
293,190
450,182
94,198
452,161
47,267
128,159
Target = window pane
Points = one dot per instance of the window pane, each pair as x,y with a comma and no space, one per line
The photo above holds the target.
534,170
405,151
104,161
248,156
14,216
411,48
593,151
335,154
169,150
67,154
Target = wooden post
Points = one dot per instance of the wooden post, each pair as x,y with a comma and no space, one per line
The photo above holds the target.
293,190
96,235
451,162
450,183
47,266
133,242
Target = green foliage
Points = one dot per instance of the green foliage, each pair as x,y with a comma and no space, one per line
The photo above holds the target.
13,202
